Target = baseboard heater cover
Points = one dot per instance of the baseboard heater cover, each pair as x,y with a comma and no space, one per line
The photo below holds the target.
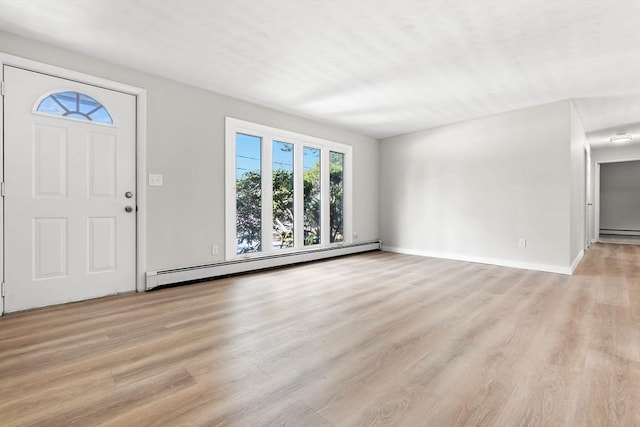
210,271
620,232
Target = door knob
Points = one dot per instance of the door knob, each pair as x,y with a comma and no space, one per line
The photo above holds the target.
128,209
128,194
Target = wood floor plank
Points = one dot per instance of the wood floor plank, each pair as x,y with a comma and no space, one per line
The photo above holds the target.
610,391
613,332
547,396
372,339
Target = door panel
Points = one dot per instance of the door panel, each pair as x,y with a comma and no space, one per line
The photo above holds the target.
67,234
50,161
50,247
102,166
102,244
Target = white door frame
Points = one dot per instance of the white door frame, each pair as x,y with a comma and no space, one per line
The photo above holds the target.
141,149
596,205
588,204
597,192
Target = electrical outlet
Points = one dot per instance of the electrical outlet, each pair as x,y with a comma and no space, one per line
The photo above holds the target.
155,180
355,236
214,249
522,243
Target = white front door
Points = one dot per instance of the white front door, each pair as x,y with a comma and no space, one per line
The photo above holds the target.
70,202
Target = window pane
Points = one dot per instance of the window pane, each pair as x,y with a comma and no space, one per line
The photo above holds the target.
248,194
75,105
50,106
311,165
68,100
336,196
86,104
282,158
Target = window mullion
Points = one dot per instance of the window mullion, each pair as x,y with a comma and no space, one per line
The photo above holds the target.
324,198
298,196
267,194
347,197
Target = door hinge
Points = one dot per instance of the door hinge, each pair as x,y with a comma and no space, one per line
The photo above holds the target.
2,189
2,88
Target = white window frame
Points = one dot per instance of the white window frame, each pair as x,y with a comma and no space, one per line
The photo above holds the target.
268,135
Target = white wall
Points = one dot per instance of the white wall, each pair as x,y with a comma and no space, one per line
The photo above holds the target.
186,144
620,197
615,154
578,145
471,190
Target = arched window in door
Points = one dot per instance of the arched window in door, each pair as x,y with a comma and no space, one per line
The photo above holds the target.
75,105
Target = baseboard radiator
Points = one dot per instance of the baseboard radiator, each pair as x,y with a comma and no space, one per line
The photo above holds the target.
210,271
620,232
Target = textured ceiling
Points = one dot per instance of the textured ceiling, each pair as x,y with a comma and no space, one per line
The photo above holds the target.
380,68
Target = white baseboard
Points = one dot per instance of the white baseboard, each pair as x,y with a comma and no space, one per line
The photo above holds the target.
576,261
483,260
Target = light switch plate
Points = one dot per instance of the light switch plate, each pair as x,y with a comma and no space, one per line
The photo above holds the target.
155,180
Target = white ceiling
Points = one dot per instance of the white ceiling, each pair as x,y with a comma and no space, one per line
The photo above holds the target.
606,116
601,138
380,68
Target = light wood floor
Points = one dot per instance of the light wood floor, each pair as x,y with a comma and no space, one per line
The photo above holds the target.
371,339
614,238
